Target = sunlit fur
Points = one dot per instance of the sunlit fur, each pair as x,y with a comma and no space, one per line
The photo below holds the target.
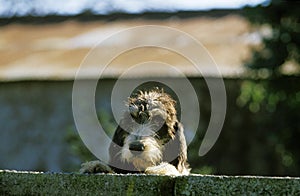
151,120
149,157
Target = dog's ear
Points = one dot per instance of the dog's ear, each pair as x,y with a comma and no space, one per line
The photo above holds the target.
117,141
177,149
115,147
119,136
114,152
182,158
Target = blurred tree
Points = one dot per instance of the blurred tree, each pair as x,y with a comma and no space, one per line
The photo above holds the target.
280,39
274,101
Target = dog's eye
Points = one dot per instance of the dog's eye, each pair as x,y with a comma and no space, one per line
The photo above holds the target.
134,110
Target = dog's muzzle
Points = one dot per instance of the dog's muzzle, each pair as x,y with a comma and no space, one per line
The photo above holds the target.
136,147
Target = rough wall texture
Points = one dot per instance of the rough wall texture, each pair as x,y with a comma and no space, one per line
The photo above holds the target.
33,183
237,185
55,51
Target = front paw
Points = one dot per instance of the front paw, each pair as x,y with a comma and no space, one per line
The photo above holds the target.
163,169
93,167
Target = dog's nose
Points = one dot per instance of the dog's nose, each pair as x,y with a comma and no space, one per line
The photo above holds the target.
136,147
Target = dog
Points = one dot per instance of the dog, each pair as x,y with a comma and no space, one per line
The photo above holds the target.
149,139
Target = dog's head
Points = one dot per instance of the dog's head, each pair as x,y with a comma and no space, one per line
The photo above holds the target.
154,108
147,126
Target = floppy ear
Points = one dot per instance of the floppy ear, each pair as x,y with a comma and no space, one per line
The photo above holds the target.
117,142
114,152
175,151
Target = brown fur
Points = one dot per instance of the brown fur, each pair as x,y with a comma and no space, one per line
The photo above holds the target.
151,123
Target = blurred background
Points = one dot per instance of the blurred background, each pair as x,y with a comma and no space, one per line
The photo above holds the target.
254,43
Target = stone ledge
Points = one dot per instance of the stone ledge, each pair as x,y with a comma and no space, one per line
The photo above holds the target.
36,183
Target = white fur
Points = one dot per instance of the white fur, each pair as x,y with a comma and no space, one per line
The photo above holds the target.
152,154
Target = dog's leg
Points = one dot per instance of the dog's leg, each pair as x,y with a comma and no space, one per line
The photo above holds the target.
163,169
93,167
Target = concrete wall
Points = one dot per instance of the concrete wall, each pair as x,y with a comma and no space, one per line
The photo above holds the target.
35,120
33,183
37,125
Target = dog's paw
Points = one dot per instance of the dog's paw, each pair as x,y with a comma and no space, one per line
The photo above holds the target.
93,167
163,169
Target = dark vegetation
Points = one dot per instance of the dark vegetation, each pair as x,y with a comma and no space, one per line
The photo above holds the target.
282,45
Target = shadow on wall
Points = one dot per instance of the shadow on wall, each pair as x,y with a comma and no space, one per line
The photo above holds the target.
260,135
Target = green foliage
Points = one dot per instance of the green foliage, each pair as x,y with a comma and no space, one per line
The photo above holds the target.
258,95
78,148
277,102
107,122
261,132
283,43
271,128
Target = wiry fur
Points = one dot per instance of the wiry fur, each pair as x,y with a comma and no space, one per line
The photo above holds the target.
150,124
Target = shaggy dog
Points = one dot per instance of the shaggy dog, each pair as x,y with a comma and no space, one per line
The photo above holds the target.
149,139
